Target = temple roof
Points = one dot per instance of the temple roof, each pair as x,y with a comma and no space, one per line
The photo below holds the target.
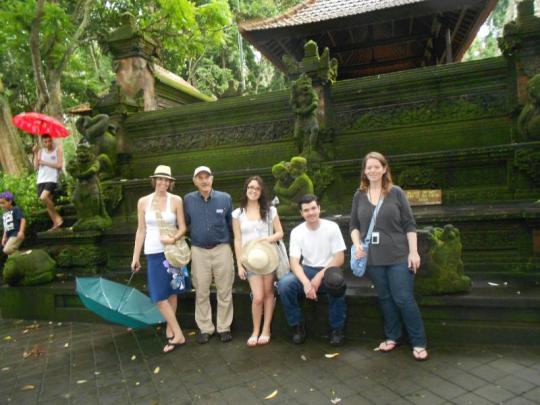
372,36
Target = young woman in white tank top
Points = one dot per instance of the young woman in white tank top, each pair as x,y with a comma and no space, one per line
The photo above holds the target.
249,223
148,234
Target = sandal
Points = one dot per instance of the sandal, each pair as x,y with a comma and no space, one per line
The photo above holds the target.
387,346
263,340
252,341
173,346
420,354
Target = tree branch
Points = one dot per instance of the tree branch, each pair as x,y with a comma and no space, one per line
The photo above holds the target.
83,7
42,90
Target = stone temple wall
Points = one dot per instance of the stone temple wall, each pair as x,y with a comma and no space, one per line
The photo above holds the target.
450,127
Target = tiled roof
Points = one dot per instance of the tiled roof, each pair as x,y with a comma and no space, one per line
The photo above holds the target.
312,11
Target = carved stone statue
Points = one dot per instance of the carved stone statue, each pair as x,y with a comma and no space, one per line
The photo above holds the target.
30,267
529,119
301,184
97,131
304,101
442,267
283,177
87,196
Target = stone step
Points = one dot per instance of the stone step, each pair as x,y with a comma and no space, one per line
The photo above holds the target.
489,314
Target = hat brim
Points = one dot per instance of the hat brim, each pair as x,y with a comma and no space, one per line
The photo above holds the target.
163,176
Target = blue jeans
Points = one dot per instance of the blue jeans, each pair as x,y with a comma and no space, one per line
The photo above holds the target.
394,285
290,288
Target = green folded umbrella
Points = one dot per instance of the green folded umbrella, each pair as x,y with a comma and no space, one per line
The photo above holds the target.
117,303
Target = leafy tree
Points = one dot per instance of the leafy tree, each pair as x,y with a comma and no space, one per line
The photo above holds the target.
486,46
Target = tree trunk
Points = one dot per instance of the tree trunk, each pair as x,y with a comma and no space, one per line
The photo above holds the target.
12,157
54,106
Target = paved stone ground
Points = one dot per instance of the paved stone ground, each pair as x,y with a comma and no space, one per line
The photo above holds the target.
79,363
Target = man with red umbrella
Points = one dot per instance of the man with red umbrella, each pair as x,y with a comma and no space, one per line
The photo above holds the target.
48,161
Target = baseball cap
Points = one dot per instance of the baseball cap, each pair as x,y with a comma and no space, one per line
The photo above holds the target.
202,169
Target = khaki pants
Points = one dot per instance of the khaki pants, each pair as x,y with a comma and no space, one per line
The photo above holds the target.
12,245
216,263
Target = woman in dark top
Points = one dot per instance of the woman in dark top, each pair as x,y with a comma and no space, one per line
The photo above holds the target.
392,255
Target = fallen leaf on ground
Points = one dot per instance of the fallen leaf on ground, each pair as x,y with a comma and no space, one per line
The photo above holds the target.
36,351
82,381
331,355
7,337
192,333
272,395
5,369
27,387
303,357
97,372
335,400
33,326
133,357
376,349
137,383
66,345
25,331
156,370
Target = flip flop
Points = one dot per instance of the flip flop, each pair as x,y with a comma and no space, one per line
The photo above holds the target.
387,346
252,341
263,340
174,346
420,354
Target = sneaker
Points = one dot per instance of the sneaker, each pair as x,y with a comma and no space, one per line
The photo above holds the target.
336,337
225,336
203,338
299,334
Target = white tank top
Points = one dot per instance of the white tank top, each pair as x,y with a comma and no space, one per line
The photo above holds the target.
48,174
152,243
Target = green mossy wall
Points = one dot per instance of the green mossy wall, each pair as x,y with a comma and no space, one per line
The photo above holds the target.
454,123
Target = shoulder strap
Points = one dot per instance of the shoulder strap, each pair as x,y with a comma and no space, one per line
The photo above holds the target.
168,207
149,204
367,239
269,221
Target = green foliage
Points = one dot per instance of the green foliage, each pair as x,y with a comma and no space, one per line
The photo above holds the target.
199,39
25,193
487,47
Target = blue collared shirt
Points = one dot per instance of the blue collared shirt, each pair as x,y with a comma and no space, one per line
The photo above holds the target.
209,221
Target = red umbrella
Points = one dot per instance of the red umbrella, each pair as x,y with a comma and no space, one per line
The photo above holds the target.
40,124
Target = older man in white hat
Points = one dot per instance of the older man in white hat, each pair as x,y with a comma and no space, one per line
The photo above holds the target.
208,216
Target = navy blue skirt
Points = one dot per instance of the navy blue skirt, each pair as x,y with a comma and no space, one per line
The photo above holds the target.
159,281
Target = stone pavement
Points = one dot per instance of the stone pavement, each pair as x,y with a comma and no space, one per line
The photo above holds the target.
80,363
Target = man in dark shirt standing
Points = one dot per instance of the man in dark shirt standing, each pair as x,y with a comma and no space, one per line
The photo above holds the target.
208,216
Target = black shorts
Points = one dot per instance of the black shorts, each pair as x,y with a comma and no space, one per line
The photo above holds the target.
50,187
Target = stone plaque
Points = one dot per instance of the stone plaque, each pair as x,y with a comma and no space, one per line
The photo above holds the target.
424,197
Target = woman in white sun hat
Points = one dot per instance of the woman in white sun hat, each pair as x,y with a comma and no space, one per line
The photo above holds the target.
148,233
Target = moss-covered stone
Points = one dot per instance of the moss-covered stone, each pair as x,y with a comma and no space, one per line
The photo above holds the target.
82,259
442,267
30,267
87,196
529,118
289,194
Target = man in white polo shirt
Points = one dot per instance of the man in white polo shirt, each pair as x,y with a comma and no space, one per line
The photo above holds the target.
321,246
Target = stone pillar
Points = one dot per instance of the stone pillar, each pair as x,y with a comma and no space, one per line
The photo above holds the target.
521,44
133,54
